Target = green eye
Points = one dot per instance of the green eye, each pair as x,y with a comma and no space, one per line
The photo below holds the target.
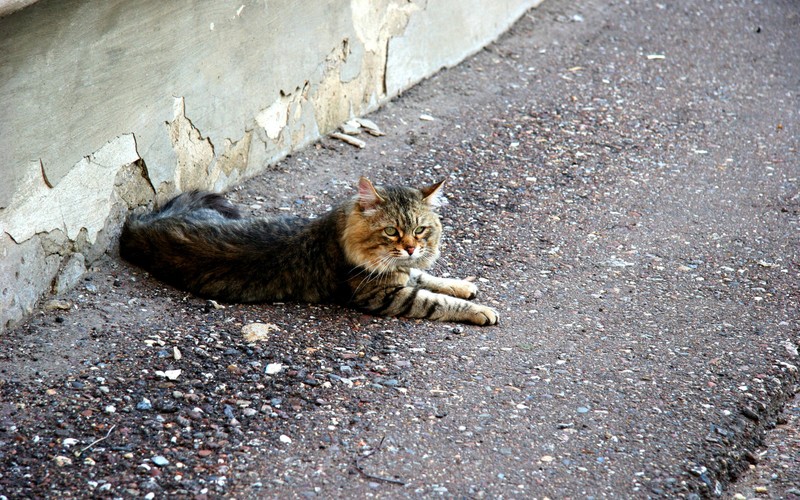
420,230
390,231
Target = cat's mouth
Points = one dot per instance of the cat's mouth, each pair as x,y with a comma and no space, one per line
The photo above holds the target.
420,258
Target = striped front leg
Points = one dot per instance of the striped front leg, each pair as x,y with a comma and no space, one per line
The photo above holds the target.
415,302
455,288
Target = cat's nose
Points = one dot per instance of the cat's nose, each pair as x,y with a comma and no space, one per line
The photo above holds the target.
410,250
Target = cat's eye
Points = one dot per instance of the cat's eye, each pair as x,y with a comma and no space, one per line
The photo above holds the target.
390,231
420,230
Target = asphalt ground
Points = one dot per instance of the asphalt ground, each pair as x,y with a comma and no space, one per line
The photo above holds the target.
623,186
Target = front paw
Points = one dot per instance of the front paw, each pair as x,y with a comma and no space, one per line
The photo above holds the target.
484,316
463,290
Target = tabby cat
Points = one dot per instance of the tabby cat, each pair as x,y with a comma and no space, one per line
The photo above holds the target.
368,252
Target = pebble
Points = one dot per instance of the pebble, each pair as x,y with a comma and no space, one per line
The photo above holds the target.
69,442
285,439
62,461
166,407
57,304
159,461
751,414
583,409
144,405
370,126
214,304
350,127
390,382
349,139
257,332
170,374
273,368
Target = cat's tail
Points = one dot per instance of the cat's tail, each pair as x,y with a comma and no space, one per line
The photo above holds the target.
142,233
197,204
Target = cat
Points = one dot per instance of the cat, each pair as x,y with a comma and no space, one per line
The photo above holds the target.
368,252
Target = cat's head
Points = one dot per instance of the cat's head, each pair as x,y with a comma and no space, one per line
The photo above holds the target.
391,228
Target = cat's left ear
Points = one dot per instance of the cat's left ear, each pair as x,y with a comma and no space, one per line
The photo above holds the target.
368,198
433,196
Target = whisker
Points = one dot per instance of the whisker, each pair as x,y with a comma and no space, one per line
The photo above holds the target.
382,265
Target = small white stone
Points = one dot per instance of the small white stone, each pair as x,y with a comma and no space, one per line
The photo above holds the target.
273,368
285,439
170,374
69,442
254,332
370,127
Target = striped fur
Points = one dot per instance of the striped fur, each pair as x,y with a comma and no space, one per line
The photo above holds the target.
368,252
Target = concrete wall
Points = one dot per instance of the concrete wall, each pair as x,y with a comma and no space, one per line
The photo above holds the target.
109,105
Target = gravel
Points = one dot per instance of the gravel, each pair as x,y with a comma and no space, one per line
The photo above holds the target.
634,218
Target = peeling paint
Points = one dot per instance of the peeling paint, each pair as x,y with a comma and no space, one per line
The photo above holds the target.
274,118
375,21
194,152
234,157
80,200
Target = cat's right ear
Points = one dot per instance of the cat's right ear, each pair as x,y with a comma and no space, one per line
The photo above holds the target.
432,195
368,198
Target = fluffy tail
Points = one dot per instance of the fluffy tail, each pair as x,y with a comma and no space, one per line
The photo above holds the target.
196,204
140,241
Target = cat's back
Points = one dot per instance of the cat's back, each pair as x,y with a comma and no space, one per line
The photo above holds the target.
200,242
